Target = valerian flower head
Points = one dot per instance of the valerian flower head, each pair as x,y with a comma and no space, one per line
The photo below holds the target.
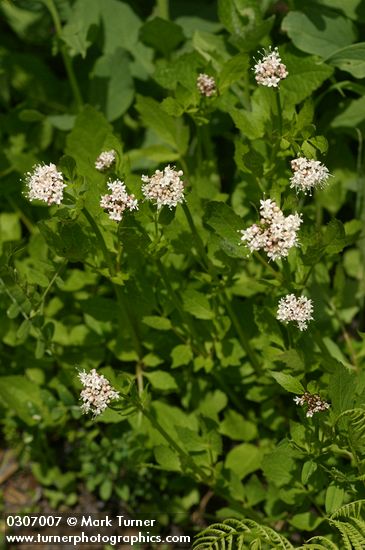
45,184
97,392
206,85
275,234
105,160
270,70
295,309
314,403
164,188
118,200
308,174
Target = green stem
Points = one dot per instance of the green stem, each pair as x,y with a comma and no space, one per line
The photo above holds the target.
280,113
163,9
66,58
266,264
184,456
107,256
246,91
122,301
198,242
222,295
44,295
27,222
245,343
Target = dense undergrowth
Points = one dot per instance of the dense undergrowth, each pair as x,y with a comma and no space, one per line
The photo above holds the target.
170,304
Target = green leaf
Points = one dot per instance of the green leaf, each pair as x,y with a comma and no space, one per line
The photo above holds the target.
289,383
305,76
24,398
121,26
162,35
352,115
279,465
321,32
168,128
112,87
244,459
306,521
10,228
197,304
342,388
30,115
350,59
76,32
221,219
167,458
236,427
106,489
334,497
158,323
66,239
85,142
213,403
354,9
233,71
161,380
181,355
309,468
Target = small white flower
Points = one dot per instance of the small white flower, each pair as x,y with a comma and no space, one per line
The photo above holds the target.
295,309
313,401
270,70
118,201
164,188
308,174
105,160
206,85
45,184
276,234
97,392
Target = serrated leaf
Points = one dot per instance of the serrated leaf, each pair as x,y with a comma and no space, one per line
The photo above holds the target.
197,304
222,220
306,74
168,128
167,458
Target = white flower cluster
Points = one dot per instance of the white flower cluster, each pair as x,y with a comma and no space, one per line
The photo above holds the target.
295,309
276,234
206,85
308,174
164,188
270,70
118,200
45,184
97,392
105,160
314,402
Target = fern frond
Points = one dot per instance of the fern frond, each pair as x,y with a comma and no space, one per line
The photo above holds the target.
354,509
327,544
356,426
233,534
342,529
